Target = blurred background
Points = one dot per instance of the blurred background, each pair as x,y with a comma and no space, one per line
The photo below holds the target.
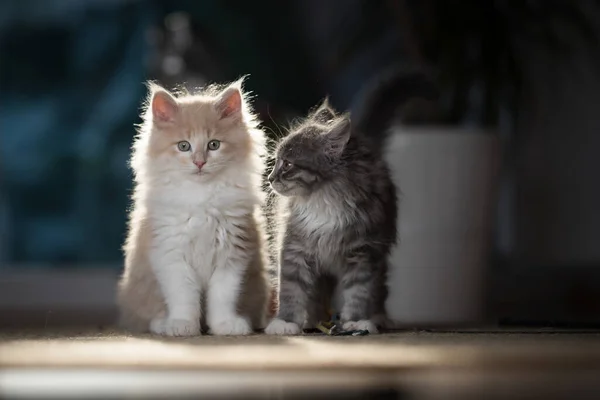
71,85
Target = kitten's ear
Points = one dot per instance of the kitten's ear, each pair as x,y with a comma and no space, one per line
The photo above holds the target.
163,105
229,103
338,137
324,113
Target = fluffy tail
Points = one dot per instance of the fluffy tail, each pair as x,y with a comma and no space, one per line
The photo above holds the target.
380,98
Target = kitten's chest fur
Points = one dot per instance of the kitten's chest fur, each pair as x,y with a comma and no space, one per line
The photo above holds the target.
201,223
322,226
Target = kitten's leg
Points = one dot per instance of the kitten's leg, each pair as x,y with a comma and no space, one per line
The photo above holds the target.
222,298
380,318
178,285
296,282
359,285
254,299
320,302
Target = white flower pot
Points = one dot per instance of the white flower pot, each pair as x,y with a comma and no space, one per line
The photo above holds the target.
447,180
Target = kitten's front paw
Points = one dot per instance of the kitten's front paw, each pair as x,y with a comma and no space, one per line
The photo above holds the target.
236,326
175,327
362,325
280,327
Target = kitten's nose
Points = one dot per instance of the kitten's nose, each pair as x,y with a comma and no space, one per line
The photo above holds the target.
199,164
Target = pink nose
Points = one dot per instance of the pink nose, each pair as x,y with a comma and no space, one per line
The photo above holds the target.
199,164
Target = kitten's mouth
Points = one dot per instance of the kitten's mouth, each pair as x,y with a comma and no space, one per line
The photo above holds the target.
280,189
276,188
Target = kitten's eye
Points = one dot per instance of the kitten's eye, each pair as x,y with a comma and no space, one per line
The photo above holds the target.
184,145
286,165
214,145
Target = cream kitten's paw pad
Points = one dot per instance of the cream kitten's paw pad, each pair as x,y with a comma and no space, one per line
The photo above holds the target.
362,325
232,327
280,327
174,327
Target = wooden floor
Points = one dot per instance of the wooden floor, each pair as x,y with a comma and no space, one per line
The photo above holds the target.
470,364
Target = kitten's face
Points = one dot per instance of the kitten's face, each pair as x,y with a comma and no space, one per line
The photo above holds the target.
307,157
198,137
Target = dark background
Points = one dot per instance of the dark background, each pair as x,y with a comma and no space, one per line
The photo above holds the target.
71,83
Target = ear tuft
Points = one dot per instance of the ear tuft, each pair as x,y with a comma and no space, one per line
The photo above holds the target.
338,137
324,113
229,103
164,106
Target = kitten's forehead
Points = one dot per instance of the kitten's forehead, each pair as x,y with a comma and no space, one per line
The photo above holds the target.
304,139
198,116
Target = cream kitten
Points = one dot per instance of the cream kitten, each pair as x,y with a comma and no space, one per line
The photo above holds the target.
195,241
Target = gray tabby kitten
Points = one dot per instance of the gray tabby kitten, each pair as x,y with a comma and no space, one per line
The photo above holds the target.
338,210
